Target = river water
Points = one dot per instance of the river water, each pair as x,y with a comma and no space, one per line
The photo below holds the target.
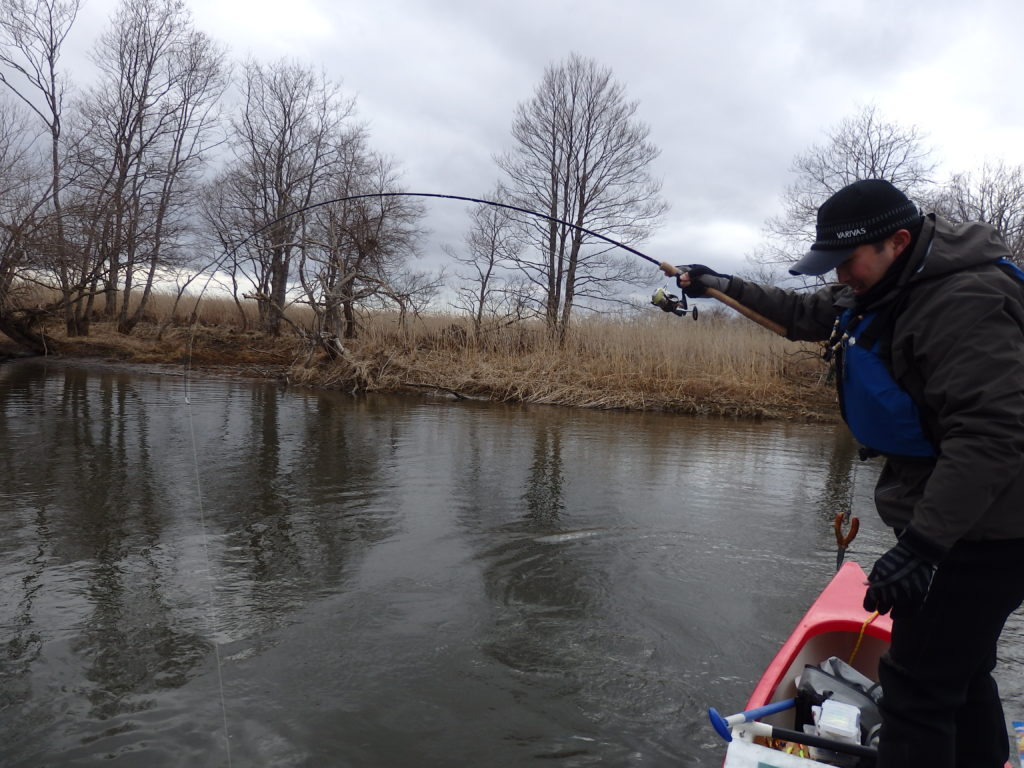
198,572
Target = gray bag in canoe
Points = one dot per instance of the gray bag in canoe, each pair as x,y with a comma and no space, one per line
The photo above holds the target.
835,679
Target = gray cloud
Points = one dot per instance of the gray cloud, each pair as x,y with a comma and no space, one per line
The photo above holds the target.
731,91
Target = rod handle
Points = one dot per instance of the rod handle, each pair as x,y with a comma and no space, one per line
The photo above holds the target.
747,312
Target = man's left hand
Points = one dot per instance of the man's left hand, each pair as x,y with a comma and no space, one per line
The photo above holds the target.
900,579
695,279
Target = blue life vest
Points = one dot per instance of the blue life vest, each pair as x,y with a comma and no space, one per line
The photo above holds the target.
880,413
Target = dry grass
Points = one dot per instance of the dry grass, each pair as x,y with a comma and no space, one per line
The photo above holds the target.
657,362
718,365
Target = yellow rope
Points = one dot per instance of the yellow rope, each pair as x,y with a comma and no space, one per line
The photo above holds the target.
860,637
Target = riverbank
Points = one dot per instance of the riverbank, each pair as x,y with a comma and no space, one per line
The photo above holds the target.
722,366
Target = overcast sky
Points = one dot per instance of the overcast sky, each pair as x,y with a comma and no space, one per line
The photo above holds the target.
732,91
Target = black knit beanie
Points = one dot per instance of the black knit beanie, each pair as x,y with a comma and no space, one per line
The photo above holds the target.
866,211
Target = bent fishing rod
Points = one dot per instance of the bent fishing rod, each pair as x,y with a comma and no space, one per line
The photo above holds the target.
669,269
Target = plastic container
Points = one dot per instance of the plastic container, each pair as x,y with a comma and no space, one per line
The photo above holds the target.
839,721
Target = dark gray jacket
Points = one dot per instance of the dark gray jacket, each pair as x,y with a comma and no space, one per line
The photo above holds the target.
958,350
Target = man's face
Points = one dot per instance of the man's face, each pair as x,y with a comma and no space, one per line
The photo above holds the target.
868,264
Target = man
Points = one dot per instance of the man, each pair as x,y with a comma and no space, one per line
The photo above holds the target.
926,329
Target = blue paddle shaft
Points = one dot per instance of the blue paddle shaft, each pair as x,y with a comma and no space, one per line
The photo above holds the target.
723,725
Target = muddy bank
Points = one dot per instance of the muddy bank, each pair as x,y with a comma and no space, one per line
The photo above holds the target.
457,370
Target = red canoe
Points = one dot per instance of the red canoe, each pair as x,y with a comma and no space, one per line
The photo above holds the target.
836,624
830,627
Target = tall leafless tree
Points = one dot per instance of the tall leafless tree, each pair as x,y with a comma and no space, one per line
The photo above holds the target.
356,249
492,245
148,122
285,153
580,155
32,34
24,184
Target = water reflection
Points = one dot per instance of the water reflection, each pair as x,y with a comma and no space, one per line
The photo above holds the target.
292,578
83,527
837,495
23,641
299,497
543,494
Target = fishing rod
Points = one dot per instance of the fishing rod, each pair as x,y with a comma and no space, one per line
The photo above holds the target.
667,302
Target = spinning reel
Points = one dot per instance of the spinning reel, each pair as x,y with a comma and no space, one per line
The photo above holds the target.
666,302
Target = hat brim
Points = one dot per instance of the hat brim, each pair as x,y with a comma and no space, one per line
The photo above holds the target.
819,262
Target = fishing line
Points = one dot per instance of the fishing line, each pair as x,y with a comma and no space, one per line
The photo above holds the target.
668,269
188,366
436,195
209,564
370,195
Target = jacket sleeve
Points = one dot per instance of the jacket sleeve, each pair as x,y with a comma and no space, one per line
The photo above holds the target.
967,353
805,316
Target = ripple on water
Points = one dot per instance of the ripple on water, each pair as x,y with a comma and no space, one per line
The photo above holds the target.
392,582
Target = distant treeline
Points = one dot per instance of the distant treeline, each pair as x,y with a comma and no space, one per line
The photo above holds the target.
177,167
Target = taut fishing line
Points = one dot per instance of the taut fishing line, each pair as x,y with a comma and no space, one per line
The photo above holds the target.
212,613
436,196
188,367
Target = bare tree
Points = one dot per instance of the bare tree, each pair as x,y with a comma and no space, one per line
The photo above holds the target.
994,195
148,123
413,291
24,186
356,249
580,155
863,146
285,155
493,244
32,33
227,222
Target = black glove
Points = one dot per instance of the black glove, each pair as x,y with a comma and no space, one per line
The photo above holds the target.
702,278
900,579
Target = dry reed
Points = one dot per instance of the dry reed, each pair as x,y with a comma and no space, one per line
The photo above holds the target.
653,361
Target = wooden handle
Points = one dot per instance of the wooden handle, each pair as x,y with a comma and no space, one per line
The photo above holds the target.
748,313
729,301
